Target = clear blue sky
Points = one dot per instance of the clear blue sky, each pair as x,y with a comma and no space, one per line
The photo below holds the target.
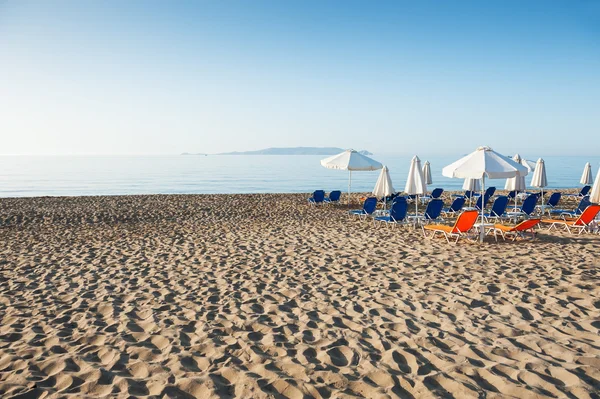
164,77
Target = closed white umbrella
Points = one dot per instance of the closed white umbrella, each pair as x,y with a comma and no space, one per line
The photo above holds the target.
471,185
595,193
351,160
427,172
586,177
383,187
484,162
539,177
518,182
415,184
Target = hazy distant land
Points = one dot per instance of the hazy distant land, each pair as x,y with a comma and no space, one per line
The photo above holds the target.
288,151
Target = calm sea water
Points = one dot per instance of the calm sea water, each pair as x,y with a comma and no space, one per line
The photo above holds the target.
25,176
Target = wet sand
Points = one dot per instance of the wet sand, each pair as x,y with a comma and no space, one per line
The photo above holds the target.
263,296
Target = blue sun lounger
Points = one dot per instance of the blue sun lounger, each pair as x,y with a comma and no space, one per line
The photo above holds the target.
317,198
397,214
368,208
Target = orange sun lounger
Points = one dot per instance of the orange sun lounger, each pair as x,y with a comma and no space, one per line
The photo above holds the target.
518,230
579,224
463,224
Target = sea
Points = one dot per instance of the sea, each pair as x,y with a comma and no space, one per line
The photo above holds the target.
33,176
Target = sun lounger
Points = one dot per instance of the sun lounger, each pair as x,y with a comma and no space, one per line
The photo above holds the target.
498,208
433,210
585,190
463,224
317,198
579,224
525,210
397,214
518,230
565,213
456,206
368,208
334,197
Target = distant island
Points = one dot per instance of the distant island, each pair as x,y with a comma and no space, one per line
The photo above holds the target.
289,151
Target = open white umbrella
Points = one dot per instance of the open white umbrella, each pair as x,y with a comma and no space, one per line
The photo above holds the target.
518,182
350,160
383,187
539,177
427,172
415,184
586,177
484,162
595,193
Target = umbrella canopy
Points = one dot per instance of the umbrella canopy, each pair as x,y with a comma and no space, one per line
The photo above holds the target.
484,162
539,175
481,163
350,160
427,172
595,193
586,177
415,184
384,187
471,185
518,182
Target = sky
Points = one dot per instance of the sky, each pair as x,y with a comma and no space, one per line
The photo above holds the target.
165,77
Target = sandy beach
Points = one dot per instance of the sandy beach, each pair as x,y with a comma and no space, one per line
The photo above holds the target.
262,296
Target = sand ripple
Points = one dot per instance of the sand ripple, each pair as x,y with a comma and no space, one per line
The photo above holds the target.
261,296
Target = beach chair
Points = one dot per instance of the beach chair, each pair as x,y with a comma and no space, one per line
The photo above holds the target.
498,208
467,194
518,230
433,210
333,198
585,190
368,208
397,214
579,224
463,224
436,193
490,191
512,195
455,207
526,209
554,200
565,213
317,198
478,204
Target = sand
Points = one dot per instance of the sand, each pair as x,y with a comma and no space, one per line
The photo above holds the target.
262,296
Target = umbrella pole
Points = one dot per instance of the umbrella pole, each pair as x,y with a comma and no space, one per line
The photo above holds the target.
482,228
349,186
416,210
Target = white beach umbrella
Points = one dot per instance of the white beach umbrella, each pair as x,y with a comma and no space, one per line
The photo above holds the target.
539,177
351,161
427,172
518,182
415,184
471,185
484,162
383,187
595,193
586,177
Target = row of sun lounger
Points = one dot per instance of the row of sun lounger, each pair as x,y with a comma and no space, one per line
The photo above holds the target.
574,221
